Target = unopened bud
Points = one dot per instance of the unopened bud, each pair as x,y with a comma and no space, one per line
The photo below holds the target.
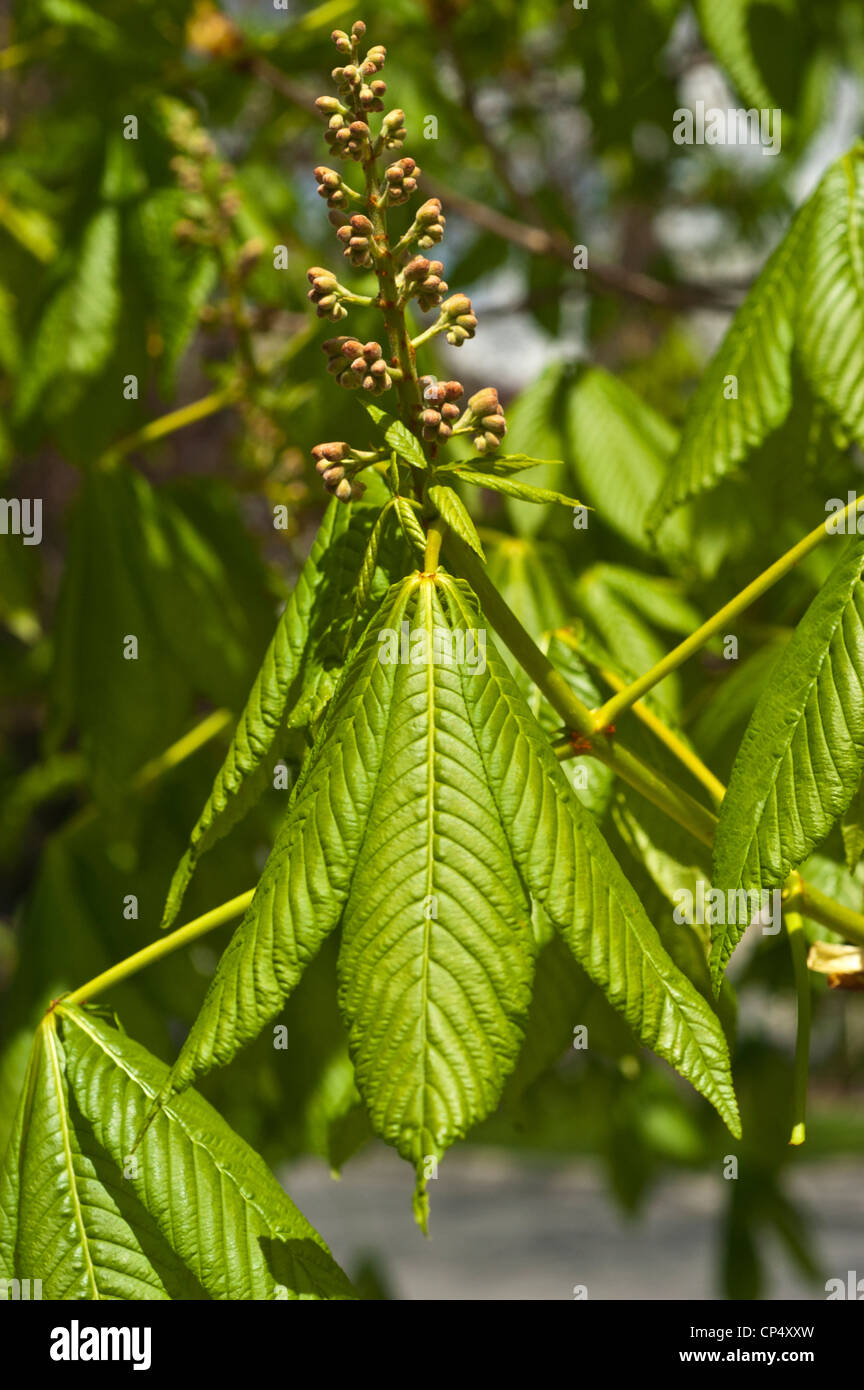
484,402
430,211
335,450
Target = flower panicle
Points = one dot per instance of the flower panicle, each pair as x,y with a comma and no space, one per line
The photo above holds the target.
404,270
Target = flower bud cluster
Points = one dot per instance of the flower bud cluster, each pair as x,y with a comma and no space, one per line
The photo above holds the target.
356,82
355,237
422,278
348,139
429,223
330,461
401,180
330,186
393,129
325,294
438,419
460,318
366,366
484,413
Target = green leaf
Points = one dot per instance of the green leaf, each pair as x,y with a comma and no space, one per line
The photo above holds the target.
452,509
305,883
126,710
570,870
369,563
76,333
621,450
621,628
532,578
720,430
831,334
725,29
800,760
295,680
94,1219
437,952
178,281
525,492
411,528
398,436
502,465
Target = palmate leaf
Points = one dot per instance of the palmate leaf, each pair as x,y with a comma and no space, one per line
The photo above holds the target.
93,1220
570,870
437,950
801,758
429,809
296,678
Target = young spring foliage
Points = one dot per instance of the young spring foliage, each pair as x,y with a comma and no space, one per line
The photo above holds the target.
804,310
93,1217
479,893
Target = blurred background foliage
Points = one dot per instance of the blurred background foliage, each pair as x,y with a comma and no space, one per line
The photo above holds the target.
179,509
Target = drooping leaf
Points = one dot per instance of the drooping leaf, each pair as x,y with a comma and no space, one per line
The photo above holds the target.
437,952
127,708
591,780
93,1219
570,870
306,880
800,760
411,528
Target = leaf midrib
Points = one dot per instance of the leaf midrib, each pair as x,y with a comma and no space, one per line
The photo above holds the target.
50,1035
